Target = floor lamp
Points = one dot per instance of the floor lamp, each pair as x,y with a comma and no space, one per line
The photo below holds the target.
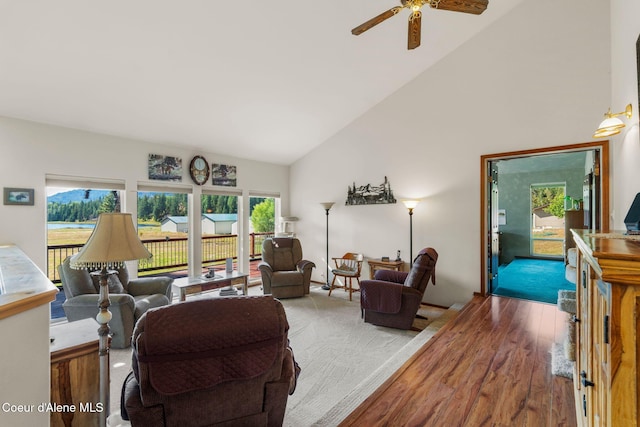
114,240
327,206
410,204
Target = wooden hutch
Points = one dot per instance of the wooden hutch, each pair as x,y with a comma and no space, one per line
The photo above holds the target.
606,377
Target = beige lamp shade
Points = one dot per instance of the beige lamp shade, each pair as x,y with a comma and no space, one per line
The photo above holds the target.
113,241
327,205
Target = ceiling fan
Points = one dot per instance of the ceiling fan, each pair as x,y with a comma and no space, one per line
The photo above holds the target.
475,7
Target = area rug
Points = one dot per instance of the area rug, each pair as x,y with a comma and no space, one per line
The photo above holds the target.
335,348
532,279
560,365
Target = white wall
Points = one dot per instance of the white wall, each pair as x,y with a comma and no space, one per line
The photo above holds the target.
624,83
30,151
26,366
530,80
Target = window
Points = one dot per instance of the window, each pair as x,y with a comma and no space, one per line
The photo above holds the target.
163,227
547,219
73,206
219,229
262,222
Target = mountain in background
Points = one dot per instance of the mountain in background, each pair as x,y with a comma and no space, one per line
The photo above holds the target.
77,195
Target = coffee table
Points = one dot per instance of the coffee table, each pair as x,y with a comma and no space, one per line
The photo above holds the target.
194,285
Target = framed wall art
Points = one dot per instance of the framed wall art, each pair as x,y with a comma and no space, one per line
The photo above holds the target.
223,175
370,194
18,196
165,168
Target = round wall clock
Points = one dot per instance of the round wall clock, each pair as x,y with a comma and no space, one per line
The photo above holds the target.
199,170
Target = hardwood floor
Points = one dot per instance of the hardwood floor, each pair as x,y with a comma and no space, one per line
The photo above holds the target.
491,366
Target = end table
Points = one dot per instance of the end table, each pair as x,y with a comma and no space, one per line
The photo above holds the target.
378,264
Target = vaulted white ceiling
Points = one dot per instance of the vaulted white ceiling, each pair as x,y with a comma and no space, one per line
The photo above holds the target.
264,80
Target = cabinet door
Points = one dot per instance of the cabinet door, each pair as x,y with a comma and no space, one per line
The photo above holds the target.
601,352
583,343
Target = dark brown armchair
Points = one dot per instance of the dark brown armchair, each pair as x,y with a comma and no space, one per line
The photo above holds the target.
394,297
215,362
284,273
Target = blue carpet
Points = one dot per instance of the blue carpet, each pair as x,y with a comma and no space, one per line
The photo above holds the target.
56,306
532,279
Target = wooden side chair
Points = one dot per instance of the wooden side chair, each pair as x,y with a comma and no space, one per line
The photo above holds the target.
348,267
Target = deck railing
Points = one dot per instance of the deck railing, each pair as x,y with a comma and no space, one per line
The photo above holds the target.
168,254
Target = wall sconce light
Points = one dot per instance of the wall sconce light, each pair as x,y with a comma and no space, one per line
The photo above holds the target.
612,125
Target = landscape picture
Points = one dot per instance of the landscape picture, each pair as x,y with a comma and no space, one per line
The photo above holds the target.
165,168
18,196
223,175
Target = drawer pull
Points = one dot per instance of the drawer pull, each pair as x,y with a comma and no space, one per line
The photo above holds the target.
585,381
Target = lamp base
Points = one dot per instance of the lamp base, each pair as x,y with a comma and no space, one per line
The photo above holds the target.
326,286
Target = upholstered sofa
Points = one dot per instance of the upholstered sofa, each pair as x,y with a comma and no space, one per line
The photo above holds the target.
129,298
211,362
284,273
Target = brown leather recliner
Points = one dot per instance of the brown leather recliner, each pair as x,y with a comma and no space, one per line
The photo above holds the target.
284,273
394,297
212,362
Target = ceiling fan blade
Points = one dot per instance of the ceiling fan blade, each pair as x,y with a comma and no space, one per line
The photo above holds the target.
475,7
375,21
415,27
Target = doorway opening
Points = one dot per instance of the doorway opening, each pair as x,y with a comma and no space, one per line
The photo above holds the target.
509,183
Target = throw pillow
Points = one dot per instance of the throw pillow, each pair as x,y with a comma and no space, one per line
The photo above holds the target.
115,286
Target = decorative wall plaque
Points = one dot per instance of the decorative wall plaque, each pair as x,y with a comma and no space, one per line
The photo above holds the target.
370,194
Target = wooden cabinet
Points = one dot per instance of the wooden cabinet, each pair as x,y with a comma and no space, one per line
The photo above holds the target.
606,377
75,374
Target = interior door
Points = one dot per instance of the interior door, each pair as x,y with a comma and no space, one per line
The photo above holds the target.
493,227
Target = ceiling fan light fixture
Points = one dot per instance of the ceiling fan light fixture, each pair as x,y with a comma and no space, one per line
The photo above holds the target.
475,7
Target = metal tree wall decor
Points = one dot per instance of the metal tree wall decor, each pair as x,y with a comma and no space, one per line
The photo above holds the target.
370,194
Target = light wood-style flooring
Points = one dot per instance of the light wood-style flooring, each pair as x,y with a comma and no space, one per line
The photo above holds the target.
491,366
